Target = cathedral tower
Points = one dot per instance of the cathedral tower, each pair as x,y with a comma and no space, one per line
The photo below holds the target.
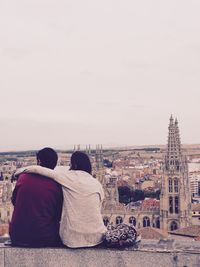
175,199
99,157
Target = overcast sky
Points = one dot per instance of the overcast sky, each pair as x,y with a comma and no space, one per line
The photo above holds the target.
98,72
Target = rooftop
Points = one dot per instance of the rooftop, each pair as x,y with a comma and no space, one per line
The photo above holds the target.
192,231
196,207
152,233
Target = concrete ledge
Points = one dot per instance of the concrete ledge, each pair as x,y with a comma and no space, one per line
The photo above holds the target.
149,253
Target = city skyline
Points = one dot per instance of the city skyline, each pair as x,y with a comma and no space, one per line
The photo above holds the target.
93,72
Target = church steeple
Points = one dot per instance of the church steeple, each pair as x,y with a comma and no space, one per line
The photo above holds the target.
174,153
175,200
171,120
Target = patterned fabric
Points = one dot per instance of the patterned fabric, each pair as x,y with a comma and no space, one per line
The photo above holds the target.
122,235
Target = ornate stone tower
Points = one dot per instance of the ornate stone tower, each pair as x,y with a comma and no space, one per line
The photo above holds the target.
175,199
99,157
98,166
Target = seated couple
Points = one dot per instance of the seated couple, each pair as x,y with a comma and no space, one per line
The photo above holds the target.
57,207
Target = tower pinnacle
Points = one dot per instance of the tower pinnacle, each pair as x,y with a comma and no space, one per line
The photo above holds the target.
174,153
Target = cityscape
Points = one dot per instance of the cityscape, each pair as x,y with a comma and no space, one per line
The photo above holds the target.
103,78
144,186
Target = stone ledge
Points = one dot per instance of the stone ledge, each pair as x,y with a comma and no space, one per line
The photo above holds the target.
149,253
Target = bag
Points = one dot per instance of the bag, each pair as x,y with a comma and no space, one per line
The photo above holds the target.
120,236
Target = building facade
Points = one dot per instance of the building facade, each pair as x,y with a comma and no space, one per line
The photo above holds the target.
173,211
175,199
195,184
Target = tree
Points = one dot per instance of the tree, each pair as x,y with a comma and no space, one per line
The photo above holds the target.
138,195
124,194
127,194
152,194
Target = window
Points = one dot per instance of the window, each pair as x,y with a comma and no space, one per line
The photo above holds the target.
176,185
146,222
177,165
119,220
170,204
132,220
173,226
170,185
106,221
198,188
176,205
157,223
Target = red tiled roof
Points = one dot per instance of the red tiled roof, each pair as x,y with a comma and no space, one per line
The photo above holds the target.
152,233
196,207
192,231
151,202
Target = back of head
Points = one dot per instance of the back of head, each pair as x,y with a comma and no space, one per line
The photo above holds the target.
80,161
47,157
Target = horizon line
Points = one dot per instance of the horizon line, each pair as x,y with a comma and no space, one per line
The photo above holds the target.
93,147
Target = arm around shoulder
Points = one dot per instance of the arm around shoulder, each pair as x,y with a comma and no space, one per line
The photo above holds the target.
58,176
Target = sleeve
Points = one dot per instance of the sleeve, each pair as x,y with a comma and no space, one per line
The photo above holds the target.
58,176
14,195
15,192
101,193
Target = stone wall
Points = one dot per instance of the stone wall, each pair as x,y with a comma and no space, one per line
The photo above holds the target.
149,253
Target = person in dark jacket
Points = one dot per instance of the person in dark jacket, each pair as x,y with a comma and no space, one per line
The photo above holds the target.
37,204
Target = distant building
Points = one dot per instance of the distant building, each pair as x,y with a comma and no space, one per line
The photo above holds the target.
147,184
173,211
175,199
6,208
196,214
195,184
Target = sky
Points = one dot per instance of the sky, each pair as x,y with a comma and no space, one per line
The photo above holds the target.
105,72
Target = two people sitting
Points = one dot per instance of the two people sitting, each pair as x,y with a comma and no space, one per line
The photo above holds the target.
55,207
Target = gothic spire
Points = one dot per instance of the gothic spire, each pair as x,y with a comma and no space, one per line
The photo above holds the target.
171,120
173,155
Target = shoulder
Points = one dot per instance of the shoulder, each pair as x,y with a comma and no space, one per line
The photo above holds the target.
35,182
90,179
26,178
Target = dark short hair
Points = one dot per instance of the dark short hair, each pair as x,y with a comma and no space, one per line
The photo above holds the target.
80,161
48,157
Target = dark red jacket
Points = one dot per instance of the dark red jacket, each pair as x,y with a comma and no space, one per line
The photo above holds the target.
37,204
